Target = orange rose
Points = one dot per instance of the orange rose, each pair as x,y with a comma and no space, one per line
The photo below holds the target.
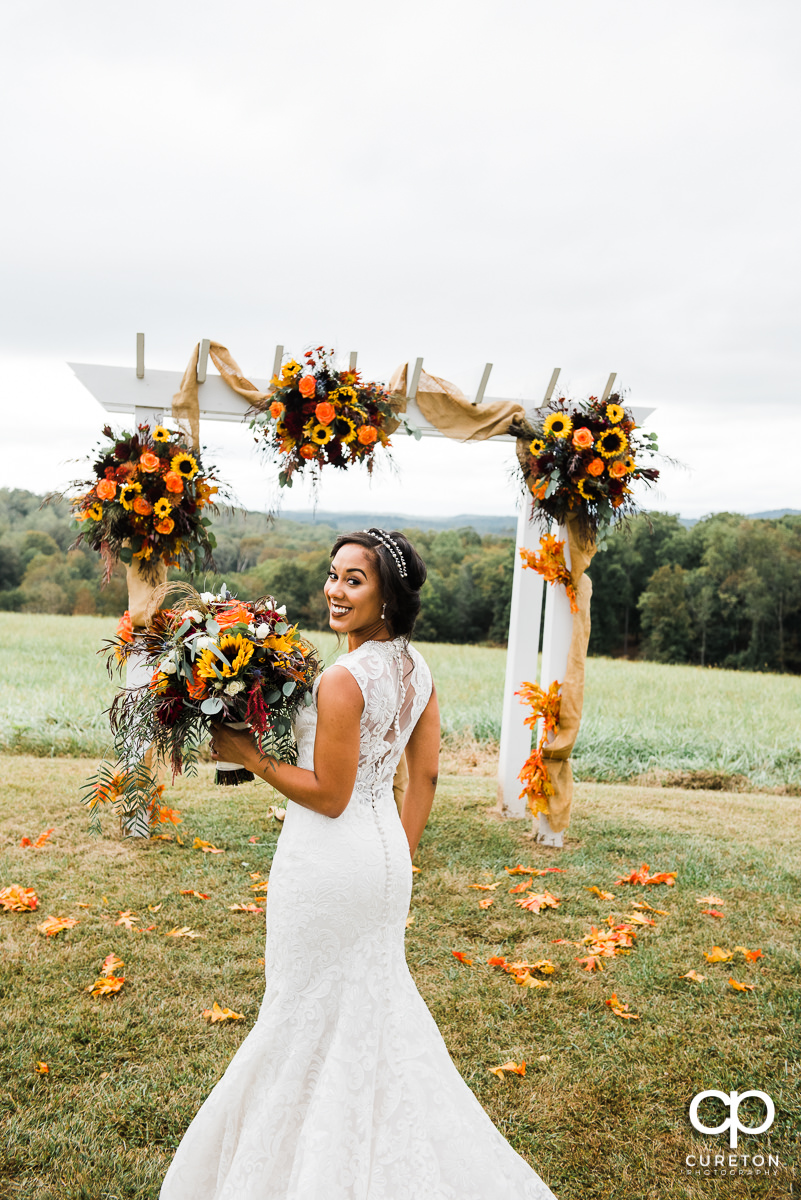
173,482
367,435
125,627
142,506
165,526
149,461
234,616
583,439
595,466
276,408
325,413
307,450
307,386
106,489
617,469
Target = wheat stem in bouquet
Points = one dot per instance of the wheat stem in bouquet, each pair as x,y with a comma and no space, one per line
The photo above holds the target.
208,657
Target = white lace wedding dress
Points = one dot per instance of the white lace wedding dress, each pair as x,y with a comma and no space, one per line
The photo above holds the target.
344,1089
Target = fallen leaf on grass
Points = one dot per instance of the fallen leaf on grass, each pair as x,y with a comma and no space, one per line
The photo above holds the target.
216,1013
192,892
711,912
718,954
620,1009
538,901
525,979
592,962
18,899
642,876
508,1068
111,964
206,847
82,904
643,906
254,839
694,976
106,985
53,925
415,870
163,815
485,903
521,887
127,919
602,895
636,919
40,841
750,955
42,1068
519,870
741,987
261,886
251,908
155,907
709,900
163,837
410,921
183,931
462,958
483,887
564,942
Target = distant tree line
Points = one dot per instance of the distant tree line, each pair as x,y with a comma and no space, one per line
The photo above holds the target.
725,592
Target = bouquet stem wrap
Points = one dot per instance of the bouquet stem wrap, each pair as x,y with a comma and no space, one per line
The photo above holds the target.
229,773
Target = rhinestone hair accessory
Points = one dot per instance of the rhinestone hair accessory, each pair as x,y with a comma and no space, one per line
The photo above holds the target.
391,545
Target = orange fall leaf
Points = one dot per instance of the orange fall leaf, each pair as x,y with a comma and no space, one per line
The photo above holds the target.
741,987
42,1068
192,892
620,1009
53,925
694,976
250,908
508,1068
462,958
217,1013
486,902
206,847
18,899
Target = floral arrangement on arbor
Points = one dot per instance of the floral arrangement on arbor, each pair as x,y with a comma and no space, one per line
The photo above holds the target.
580,458
213,658
316,416
550,563
145,503
537,787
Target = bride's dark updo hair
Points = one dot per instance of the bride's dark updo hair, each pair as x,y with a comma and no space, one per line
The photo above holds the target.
393,554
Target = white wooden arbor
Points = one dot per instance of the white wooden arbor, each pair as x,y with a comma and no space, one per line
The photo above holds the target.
149,396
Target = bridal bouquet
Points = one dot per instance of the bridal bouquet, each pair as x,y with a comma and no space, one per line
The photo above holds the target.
317,416
581,457
209,657
145,502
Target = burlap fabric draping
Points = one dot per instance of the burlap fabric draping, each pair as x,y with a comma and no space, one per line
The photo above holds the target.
141,590
448,409
185,405
557,753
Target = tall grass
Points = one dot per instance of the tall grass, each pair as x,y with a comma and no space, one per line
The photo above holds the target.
638,717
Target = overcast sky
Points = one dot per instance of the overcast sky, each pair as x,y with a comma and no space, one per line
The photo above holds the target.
595,184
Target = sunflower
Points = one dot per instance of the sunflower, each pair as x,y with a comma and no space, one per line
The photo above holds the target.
350,436
615,413
184,465
291,369
612,442
536,447
557,425
242,653
128,495
344,395
162,508
629,463
95,513
160,434
581,488
320,434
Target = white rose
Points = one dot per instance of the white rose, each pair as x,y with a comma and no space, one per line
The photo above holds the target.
281,611
192,614
204,642
207,597
263,631
235,688
167,666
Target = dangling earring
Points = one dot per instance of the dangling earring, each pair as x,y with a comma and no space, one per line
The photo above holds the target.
383,611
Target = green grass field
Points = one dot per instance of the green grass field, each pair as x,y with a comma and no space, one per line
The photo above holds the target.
639,718
602,1111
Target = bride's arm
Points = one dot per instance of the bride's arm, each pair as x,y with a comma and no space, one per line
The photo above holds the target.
422,759
328,788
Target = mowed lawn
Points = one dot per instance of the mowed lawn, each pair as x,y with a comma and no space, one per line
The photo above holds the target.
639,718
602,1110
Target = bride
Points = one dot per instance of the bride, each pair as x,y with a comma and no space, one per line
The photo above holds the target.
344,1089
